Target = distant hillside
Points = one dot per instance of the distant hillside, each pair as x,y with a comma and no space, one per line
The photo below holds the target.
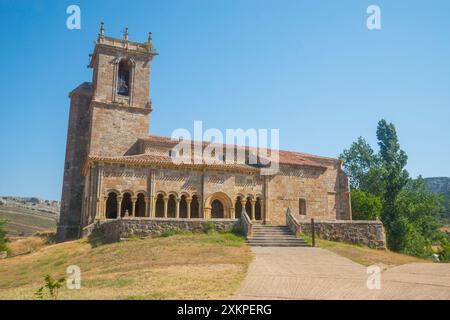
439,185
26,216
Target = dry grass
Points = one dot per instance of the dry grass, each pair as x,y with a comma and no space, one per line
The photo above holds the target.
25,222
26,245
196,266
367,256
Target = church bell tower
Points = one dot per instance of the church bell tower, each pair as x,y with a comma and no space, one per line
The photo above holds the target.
107,116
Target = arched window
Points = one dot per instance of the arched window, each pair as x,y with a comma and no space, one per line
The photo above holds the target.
111,206
238,208
183,207
171,206
159,209
127,205
123,78
302,207
195,207
217,210
258,213
248,207
140,205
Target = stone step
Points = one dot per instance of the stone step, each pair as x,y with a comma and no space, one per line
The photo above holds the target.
276,240
274,236
278,244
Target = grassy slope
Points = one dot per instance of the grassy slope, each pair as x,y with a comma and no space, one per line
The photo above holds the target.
367,256
196,266
26,221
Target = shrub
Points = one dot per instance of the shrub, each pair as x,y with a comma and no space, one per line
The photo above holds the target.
210,227
50,288
3,240
444,254
239,231
172,232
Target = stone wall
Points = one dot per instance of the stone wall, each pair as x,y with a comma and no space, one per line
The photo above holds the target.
114,230
76,152
369,233
115,129
325,191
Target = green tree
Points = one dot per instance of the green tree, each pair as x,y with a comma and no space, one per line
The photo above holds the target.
363,167
394,175
358,160
421,207
365,206
3,239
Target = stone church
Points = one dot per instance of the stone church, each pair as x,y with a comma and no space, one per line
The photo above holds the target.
115,169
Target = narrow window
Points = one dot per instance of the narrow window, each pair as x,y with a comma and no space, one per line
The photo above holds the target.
302,207
123,78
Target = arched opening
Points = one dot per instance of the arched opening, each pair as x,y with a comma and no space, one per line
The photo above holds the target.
111,206
183,207
238,208
123,78
195,207
248,207
258,213
217,210
302,207
171,206
159,208
140,205
127,205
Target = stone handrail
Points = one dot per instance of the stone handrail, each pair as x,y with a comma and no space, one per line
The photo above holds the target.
247,223
292,222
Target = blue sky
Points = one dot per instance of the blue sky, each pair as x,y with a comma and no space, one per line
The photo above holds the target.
310,68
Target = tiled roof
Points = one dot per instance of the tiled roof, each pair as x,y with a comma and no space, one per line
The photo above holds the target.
166,160
285,157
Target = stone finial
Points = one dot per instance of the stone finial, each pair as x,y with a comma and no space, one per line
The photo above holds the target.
149,42
125,34
102,29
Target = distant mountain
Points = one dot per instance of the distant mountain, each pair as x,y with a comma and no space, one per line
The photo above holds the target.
439,185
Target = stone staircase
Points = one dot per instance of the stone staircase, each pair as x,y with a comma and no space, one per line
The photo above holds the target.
274,236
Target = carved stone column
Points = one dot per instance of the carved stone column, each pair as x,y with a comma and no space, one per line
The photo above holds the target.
252,215
177,208
166,204
243,202
261,203
133,206
119,206
146,209
152,207
188,201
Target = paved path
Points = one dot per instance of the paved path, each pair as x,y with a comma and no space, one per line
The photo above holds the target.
314,273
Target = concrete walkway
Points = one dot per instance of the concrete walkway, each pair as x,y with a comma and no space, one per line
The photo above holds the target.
314,273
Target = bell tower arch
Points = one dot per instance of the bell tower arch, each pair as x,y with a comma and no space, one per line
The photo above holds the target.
121,90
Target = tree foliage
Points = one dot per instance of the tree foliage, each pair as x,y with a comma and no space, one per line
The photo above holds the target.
381,187
3,239
365,206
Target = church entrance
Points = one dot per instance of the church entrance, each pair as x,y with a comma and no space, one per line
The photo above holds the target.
219,206
217,210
